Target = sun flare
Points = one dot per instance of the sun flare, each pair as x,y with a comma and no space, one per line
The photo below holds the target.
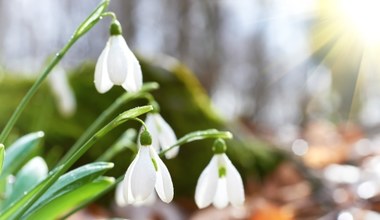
346,38
363,16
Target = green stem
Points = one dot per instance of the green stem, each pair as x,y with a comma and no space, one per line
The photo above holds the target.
111,14
83,28
198,135
117,146
125,98
25,100
141,122
115,150
126,141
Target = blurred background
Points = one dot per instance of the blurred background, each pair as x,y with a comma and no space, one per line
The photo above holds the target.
295,80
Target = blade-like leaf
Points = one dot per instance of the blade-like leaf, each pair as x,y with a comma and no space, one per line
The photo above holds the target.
130,114
90,201
133,113
72,158
12,210
68,201
70,181
2,154
199,135
20,152
30,174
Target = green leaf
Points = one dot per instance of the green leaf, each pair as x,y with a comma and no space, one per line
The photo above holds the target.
94,198
2,153
68,201
12,211
20,152
70,181
92,19
30,174
128,115
200,135
133,113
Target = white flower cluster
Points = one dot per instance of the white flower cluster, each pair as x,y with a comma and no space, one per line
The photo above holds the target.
220,182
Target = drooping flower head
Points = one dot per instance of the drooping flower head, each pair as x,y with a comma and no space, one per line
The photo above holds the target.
117,65
220,182
163,135
146,173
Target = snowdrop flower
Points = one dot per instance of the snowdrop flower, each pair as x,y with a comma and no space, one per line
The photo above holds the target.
117,65
220,182
146,173
163,135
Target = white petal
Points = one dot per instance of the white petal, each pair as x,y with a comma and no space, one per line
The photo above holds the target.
164,184
143,176
117,60
137,73
126,183
166,136
234,182
133,81
150,124
119,195
221,198
147,202
102,80
207,183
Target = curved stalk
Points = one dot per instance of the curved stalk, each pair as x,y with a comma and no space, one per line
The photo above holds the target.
198,135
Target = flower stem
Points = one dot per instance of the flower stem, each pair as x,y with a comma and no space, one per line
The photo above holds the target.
83,28
125,98
118,147
198,135
111,14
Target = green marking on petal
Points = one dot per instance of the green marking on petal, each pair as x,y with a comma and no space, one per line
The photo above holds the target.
222,172
155,164
158,125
